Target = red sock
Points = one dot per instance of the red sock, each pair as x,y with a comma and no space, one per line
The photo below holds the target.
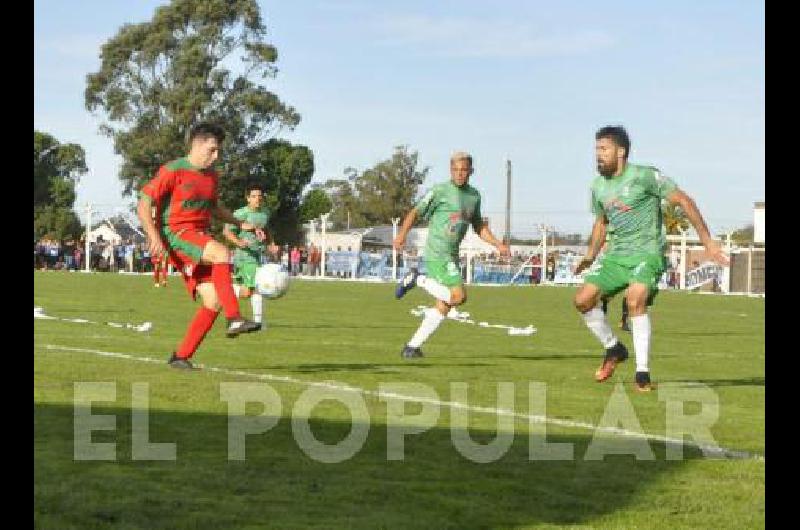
221,277
199,326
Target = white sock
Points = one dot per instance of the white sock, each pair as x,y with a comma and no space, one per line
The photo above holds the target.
436,289
596,322
429,324
237,289
256,302
640,328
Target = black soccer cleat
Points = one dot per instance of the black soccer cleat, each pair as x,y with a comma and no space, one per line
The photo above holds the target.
616,354
410,352
643,383
237,326
180,363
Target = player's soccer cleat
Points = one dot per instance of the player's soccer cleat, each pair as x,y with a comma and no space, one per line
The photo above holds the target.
410,353
614,355
237,326
623,325
643,383
177,362
406,283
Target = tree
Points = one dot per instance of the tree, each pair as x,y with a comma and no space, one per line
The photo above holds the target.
674,218
315,203
345,208
376,195
56,169
557,238
389,189
743,236
200,60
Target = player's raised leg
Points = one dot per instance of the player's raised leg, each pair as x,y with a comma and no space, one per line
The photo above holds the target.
217,256
156,262
200,325
164,269
433,318
586,300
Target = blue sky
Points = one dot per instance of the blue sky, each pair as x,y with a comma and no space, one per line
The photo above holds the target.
529,80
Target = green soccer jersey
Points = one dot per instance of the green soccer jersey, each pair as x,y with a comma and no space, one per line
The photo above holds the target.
449,210
632,204
255,248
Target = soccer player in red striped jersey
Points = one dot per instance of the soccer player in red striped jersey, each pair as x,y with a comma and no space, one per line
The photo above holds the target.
184,193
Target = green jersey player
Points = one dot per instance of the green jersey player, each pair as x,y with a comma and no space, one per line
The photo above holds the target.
250,250
626,199
449,208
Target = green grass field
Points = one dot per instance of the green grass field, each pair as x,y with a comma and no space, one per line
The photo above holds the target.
351,334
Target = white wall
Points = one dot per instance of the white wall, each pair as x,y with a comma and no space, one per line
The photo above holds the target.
107,233
758,225
333,240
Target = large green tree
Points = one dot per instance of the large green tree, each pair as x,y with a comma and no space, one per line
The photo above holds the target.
200,60
376,195
56,169
315,203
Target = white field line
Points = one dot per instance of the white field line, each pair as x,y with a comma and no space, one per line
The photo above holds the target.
715,451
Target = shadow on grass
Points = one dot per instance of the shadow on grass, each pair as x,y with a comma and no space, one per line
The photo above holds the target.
279,486
364,367
554,357
746,381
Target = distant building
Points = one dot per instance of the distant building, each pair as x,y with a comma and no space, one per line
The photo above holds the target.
758,222
115,229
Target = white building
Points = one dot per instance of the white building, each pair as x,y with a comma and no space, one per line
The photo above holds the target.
115,230
758,222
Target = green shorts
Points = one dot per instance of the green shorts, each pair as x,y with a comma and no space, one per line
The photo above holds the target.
446,272
612,274
244,273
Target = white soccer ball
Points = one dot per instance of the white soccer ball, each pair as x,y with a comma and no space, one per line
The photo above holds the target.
272,281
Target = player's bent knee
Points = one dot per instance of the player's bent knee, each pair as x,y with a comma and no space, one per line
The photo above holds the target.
216,253
457,298
636,298
208,296
585,300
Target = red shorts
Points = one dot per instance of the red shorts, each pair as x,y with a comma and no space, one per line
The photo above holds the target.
185,249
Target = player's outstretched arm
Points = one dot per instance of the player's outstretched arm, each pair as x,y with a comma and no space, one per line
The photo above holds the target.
486,234
402,232
596,241
688,205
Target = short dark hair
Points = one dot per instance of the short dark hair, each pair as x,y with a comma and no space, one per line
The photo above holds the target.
251,187
618,134
206,129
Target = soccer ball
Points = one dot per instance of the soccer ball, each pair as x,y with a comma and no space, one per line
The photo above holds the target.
272,281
